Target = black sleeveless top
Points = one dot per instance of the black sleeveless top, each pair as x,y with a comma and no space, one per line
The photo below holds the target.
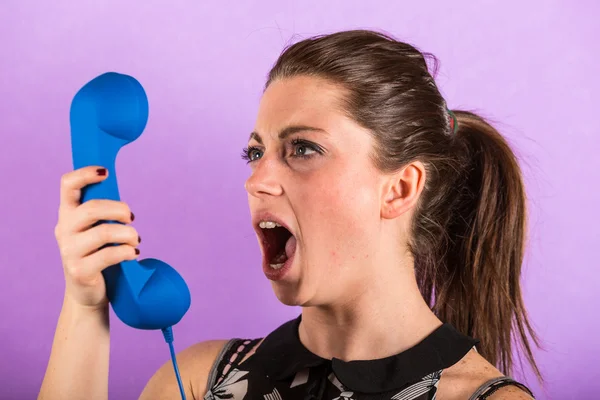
283,369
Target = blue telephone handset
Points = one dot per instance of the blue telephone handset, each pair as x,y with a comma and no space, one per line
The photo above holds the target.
106,114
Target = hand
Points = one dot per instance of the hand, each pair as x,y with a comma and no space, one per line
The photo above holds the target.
82,241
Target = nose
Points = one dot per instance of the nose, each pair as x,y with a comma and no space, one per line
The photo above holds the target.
264,179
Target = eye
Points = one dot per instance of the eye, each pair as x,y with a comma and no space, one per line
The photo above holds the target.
251,154
304,149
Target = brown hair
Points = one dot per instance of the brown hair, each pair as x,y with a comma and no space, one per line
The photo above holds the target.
469,226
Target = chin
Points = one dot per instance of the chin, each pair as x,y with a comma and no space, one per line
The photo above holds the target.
291,295
287,294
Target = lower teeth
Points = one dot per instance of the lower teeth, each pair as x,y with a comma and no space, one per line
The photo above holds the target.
276,266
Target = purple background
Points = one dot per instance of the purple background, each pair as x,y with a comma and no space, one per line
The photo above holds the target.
533,68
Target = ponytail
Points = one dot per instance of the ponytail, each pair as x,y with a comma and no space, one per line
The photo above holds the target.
478,290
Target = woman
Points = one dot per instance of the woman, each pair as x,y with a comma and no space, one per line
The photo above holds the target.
395,223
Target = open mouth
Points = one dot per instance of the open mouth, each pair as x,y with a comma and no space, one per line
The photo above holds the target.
277,244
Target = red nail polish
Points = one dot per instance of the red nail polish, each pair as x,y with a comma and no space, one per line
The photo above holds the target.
137,251
132,217
101,171
139,239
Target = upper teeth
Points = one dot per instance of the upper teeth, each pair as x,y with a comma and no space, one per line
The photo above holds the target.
268,224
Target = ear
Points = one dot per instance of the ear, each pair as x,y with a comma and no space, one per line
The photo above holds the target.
403,189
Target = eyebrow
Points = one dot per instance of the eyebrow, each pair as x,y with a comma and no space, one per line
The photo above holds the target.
287,131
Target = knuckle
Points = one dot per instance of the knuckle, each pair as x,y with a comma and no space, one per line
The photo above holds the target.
125,209
65,179
65,248
132,233
93,206
105,232
57,231
76,273
105,257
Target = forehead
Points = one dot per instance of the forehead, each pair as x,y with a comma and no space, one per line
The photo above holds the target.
299,100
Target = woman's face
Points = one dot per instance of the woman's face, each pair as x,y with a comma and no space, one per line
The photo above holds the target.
312,173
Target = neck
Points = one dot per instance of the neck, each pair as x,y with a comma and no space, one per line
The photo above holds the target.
387,318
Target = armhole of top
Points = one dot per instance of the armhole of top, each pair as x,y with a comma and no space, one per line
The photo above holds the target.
230,356
491,386
212,375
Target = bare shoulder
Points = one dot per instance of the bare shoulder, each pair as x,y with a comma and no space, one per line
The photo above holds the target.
195,363
460,381
509,393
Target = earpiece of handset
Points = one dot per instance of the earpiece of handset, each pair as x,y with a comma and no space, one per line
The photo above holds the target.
106,114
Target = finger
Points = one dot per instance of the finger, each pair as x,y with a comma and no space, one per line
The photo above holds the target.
111,255
95,263
72,182
87,242
92,211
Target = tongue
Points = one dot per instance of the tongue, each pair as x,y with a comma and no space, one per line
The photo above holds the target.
290,246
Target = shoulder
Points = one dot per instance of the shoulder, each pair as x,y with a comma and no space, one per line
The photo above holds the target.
509,393
462,380
195,363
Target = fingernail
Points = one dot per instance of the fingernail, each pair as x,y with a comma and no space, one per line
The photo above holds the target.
139,239
101,171
132,217
137,251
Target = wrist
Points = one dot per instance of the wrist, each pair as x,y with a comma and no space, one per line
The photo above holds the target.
79,311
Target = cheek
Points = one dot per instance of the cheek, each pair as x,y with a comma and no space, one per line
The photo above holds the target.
341,212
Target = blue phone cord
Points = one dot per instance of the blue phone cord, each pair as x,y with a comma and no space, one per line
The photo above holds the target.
168,334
